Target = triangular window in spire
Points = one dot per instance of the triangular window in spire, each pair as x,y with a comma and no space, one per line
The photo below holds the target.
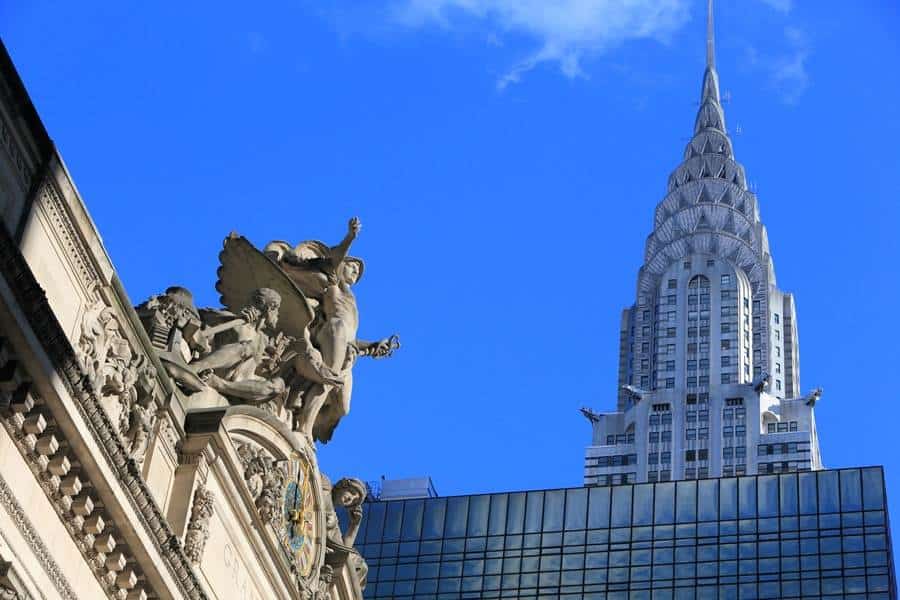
727,198
703,223
705,196
730,226
704,169
747,236
683,201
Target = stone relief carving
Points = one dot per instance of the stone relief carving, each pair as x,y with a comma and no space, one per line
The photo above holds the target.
63,491
124,379
265,478
326,578
198,527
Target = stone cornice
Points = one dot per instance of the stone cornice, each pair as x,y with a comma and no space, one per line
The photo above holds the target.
37,545
33,303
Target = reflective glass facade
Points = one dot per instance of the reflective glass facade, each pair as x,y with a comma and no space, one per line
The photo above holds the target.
820,534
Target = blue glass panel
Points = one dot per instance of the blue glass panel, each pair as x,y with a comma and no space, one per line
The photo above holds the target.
664,503
708,499
788,502
533,512
374,521
873,489
412,519
621,506
686,501
497,523
433,525
828,491
576,509
554,508
515,513
767,495
851,493
457,509
728,496
392,521
747,496
643,504
808,493
598,508
478,515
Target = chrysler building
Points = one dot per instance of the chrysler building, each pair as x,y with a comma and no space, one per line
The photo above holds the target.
709,376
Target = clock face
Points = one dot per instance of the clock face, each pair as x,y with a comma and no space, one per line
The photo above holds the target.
299,531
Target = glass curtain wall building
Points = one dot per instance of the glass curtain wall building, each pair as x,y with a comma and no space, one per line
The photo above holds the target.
819,534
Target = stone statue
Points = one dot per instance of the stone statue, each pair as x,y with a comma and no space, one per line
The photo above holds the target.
318,313
198,527
238,354
349,493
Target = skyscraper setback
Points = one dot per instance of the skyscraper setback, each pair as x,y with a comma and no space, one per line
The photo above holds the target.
709,377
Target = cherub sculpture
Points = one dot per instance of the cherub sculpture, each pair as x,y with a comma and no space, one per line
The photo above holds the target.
318,312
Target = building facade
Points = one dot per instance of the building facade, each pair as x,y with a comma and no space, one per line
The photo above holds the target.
817,534
163,451
709,375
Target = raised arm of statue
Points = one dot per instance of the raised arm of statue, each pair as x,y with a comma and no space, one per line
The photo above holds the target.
338,253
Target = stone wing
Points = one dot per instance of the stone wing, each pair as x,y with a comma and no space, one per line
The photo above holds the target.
244,269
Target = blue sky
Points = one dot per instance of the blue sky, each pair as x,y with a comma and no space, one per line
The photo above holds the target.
505,158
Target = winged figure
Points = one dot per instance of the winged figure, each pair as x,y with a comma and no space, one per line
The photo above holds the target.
318,313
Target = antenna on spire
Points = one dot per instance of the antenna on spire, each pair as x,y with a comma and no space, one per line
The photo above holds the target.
710,37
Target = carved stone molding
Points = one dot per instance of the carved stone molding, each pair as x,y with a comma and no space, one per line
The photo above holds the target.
46,452
32,300
37,545
68,237
198,528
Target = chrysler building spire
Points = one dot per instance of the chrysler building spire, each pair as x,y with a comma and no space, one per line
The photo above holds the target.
709,357
710,37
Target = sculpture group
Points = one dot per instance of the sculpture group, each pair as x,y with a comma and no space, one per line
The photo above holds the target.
285,339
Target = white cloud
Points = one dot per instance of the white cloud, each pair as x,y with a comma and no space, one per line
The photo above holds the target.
564,31
789,71
784,6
